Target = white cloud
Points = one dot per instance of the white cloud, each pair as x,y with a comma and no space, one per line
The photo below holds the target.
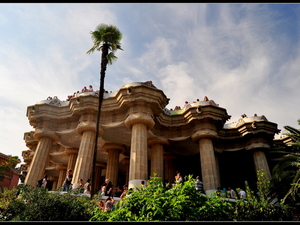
243,56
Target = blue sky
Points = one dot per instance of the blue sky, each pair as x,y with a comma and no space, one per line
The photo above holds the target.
243,56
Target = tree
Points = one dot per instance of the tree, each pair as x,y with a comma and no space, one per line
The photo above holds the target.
8,166
106,39
286,173
294,134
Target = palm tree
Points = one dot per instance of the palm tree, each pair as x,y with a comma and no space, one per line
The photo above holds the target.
106,39
294,134
286,174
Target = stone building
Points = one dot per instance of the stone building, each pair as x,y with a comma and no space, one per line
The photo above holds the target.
140,137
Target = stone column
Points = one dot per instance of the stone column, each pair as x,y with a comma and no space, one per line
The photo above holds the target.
204,133
98,172
37,167
112,168
126,161
54,182
72,153
261,163
139,121
62,175
259,157
84,162
169,167
157,156
218,167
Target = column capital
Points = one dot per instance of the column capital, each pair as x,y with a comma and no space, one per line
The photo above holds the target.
125,160
60,167
140,117
114,146
85,125
42,132
157,140
257,146
69,151
204,133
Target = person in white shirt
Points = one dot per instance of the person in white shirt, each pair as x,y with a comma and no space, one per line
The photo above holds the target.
242,194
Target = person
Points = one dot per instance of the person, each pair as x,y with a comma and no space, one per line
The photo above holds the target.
143,185
186,105
223,192
45,181
90,88
84,89
117,192
80,185
87,187
109,203
125,189
108,187
178,178
242,194
231,193
205,99
199,184
101,205
103,190
68,181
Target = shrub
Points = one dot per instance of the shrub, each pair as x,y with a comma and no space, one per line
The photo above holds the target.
40,205
158,202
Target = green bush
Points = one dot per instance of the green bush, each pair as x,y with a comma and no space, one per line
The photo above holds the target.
159,202
264,208
183,203
40,205
156,202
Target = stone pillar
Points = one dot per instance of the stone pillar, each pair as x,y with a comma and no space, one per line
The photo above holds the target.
260,163
84,162
98,173
37,167
259,157
54,183
62,175
157,156
169,167
204,133
112,168
72,153
126,161
218,167
139,121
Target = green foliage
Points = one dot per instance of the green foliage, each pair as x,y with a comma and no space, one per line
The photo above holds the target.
183,203
262,208
40,205
106,38
158,202
8,166
286,174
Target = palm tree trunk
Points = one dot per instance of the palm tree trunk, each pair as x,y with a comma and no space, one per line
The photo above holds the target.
104,62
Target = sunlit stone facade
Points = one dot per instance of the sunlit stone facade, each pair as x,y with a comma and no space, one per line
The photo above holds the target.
140,137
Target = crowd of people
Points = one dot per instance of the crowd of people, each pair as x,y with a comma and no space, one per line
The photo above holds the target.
110,192
83,90
187,104
232,193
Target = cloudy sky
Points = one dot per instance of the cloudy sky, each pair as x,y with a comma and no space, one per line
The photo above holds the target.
246,57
